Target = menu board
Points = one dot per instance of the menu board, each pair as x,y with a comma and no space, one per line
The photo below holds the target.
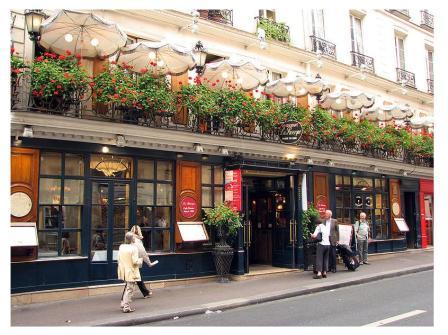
345,234
192,231
232,186
401,224
23,234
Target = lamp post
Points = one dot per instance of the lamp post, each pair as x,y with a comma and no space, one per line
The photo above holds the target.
33,19
200,55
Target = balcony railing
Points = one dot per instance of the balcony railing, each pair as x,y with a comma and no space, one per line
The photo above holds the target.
405,76
274,30
360,60
430,86
403,13
327,48
82,107
427,20
224,16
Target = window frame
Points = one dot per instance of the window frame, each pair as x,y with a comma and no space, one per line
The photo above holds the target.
356,34
400,51
318,23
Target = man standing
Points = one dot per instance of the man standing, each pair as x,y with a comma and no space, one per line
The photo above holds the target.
334,238
362,237
330,236
128,270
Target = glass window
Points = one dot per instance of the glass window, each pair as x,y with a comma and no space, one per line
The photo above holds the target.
164,170
161,239
206,171
48,244
74,165
162,217
145,169
218,195
110,166
317,21
100,193
121,194
70,243
219,175
121,217
48,217
399,52
206,196
144,216
145,193
49,191
50,163
380,184
73,192
356,34
71,216
99,245
164,194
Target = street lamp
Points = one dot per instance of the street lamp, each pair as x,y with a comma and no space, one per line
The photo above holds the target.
33,19
200,55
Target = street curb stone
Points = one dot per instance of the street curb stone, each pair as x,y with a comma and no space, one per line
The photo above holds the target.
258,299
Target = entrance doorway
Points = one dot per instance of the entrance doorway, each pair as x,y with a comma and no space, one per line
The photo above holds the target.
409,216
270,215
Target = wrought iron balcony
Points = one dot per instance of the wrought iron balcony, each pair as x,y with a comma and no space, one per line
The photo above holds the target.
274,30
427,20
403,13
360,60
430,86
405,76
224,16
327,48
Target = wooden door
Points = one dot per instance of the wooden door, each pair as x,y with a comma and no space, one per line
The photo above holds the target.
320,187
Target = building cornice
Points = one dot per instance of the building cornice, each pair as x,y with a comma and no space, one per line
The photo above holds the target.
104,133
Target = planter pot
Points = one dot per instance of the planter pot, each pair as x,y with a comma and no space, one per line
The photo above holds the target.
222,256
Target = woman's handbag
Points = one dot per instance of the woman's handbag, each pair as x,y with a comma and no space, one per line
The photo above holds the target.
318,237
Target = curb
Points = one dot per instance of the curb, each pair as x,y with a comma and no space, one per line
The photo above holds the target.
235,303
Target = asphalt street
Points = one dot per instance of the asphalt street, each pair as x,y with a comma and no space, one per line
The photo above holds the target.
400,301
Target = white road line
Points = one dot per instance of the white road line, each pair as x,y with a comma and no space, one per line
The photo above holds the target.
395,318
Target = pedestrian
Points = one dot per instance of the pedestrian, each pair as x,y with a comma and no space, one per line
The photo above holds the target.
128,270
362,231
326,228
334,238
144,255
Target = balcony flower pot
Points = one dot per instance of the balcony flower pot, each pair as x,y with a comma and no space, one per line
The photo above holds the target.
226,222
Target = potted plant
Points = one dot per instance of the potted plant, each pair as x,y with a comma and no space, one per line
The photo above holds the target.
310,218
18,68
58,81
226,222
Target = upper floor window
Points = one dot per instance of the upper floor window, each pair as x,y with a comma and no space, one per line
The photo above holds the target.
317,22
429,64
399,52
267,13
356,34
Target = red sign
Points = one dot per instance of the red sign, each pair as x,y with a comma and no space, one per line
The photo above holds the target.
233,189
321,205
188,207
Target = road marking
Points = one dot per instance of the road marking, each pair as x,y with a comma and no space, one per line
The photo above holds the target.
395,318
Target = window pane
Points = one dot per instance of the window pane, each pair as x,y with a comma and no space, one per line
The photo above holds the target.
164,170
118,239
346,180
73,192
339,181
219,175
380,231
364,184
144,216
219,195
71,216
162,217
146,239
346,200
99,216
379,201
49,191
206,174
71,243
145,193
161,240
48,217
380,184
121,217
99,246
111,166
48,244
145,169
164,194
121,194
100,193
206,196
346,216
50,163
74,165
339,197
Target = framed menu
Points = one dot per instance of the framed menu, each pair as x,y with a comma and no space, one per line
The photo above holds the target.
345,234
24,242
192,231
401,224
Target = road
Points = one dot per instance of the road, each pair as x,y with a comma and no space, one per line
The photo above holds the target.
400,301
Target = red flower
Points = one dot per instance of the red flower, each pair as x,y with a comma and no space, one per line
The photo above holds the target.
39,59
78,56
37,70
113,62
123,100
180,83
144,70
56,93
189,78
66,75
213,84
58,86
52,80
217,80
91,84
68,52
12,50
79,63
256,91
116,96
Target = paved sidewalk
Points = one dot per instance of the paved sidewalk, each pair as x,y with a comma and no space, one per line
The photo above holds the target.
181,301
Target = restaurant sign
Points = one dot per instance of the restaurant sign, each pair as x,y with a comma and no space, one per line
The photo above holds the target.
290,132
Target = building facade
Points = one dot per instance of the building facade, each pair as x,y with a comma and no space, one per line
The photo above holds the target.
91,178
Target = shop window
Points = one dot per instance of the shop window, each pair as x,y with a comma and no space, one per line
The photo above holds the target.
212,190
61,204
155,203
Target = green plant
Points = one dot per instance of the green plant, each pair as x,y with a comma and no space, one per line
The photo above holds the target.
235,106
225,217
154,94
17,66
308,221
58,75
274,30
199,99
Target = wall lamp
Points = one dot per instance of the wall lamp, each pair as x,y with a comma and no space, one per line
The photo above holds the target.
28,131
223,151
198,148
33,19
200,56
121,141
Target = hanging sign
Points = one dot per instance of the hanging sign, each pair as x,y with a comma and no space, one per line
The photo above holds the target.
232,187
188,207
290,132
321,205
